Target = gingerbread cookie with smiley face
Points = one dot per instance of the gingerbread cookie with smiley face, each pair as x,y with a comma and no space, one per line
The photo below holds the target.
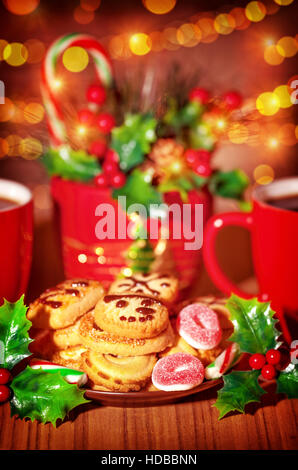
163,286
131,315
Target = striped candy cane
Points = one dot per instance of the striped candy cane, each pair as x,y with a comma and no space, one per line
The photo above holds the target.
103,69
71,376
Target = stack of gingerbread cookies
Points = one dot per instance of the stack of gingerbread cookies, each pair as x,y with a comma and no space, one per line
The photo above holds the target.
114,337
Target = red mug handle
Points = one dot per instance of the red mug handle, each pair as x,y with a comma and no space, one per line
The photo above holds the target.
214,225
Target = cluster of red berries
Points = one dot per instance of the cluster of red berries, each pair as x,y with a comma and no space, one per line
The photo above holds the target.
5,378
199,161
111,175
96,95
266,363
230,100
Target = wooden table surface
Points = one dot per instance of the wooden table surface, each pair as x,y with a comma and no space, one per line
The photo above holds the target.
190,424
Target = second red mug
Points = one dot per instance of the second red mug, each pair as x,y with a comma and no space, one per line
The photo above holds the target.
274,237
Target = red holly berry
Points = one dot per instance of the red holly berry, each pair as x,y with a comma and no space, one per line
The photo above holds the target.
112,156
105,122
118,180
273,356
201,95
101,180
96,94
192,157
86,116
110,168
231,100
257,361
203,169
98,148
268,372
5,376
4,393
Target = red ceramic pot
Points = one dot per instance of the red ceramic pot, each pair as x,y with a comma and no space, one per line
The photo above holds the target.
84,255
16,229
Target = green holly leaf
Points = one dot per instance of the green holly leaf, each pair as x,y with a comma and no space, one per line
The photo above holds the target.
230,184
201,137
14,338
43,396
254,325
133,139
138,190
240,388
187,116
71,164
287,381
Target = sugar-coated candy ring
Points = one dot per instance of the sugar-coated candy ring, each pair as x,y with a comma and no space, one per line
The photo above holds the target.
199,326
179,371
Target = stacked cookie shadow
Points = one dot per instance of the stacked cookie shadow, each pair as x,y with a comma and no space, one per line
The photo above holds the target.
114,337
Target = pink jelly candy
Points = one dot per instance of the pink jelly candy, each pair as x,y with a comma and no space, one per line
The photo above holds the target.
199,326
179,371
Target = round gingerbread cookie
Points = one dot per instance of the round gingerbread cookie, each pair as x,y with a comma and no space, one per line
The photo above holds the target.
103,342
131,315
61,306
118,373
70,357
160,285
67,337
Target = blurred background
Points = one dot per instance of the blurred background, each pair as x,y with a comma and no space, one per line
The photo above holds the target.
246,46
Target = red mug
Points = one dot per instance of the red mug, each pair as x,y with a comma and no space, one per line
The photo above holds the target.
274,237
16,229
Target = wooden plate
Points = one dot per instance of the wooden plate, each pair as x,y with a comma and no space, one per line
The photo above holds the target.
134,399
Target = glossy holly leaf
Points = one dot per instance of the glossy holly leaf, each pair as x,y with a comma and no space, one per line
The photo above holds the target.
71,164
240,388
138,191
254,325
287,381
43,396
230,184
187,116
14,338
133,139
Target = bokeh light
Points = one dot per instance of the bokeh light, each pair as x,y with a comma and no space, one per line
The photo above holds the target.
36,50
82,258
283,2
21,7
34,113
287,46
263,174
75,59
82,16
255,11
15,54
140,43
267,103
13,141
272,55
90,5
224,23
18,115
4,147
3,45
282,92
188,35
209,34
241,20
30,148
159,7
7,110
